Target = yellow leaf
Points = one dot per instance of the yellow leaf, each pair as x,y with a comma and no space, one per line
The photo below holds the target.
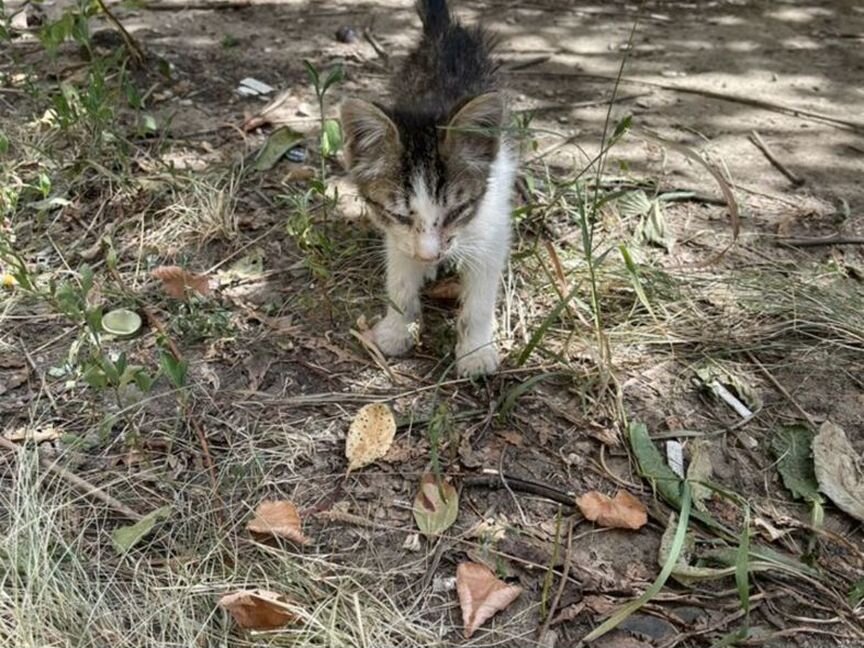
370,435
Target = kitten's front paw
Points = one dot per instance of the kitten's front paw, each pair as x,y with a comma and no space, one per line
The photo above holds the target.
393,336
473,363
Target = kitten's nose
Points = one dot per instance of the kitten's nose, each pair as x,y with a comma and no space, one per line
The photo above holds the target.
428,248
426,257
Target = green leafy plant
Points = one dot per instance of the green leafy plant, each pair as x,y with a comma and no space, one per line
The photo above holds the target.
331,130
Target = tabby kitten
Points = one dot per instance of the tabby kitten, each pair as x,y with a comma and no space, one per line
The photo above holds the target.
437,173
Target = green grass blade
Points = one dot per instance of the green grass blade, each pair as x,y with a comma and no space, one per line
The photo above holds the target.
742,565
514,394
636,279
544,326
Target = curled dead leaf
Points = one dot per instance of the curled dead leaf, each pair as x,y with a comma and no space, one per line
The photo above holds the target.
370,435
623,511
259,609
436,505
279,518
175,281
481,595
839,469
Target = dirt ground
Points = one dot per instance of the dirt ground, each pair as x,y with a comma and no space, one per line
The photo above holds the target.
276,374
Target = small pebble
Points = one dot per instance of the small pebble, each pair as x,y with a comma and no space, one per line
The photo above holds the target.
296,154
346,34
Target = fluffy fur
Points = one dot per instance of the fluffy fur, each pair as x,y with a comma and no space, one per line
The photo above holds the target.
437,173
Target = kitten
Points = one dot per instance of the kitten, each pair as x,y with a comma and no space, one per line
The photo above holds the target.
437,173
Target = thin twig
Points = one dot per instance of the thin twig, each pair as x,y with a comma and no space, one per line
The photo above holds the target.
81,484
835,239
747,101
782,389
379,49
774,160
131,44
565,572
581,104
491,478
512,66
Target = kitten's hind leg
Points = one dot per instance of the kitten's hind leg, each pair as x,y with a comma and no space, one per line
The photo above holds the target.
393,334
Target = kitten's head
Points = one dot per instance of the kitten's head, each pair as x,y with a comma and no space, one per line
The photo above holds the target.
423,176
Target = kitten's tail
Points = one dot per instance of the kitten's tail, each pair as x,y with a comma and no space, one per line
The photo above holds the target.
435,16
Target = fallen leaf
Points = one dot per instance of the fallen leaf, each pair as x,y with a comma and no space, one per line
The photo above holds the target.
125,537
445,290
259,609
24,433
699,472
175,280
281,140
792,447
436,506
839,469
370,435
598,604
278,518
481,595
623,511
652,228
633,203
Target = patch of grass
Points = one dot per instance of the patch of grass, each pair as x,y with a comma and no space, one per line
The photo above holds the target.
60,584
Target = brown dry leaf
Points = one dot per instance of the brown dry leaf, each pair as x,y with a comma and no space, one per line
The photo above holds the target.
623,511
175,280
445,290
839,469
259,609
370,435
279,518
481,595
599,604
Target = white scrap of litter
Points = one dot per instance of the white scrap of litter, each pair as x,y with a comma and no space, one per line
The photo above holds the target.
675,457
730,399
250,87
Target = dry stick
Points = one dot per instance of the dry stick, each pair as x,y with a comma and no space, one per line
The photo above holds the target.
782,389
491,478
817,242
747,101
565,572
774,160
81,484
131,44
582,104
522,65
379,50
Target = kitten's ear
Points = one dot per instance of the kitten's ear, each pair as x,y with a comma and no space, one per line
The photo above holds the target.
474,132
371,137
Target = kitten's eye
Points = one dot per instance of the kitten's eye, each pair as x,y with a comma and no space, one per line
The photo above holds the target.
389,214
456,214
